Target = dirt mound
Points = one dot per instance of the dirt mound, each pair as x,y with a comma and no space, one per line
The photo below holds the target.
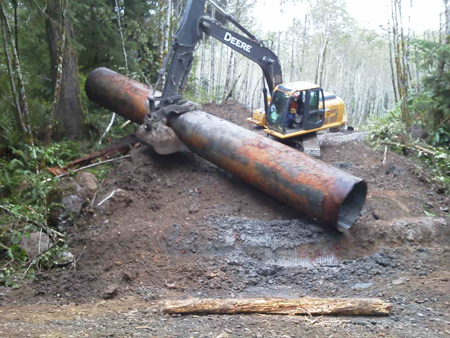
178,226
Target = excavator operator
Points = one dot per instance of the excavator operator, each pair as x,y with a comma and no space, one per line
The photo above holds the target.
295,110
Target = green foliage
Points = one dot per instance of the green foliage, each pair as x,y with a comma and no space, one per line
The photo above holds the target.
24,168
441,136
24,185
102,46
386,127
430,104
429,108
389,130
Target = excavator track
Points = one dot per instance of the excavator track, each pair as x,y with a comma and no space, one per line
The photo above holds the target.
311,145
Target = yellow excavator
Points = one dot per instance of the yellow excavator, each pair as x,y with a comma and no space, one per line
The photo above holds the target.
297,111
294,111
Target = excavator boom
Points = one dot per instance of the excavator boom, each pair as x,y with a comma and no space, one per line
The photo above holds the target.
189,33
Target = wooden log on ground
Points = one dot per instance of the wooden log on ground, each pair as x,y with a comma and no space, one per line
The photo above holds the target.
120,147
281,306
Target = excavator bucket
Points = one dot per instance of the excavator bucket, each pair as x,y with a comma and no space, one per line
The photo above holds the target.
161,138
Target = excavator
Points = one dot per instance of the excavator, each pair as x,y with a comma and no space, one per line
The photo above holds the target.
293,111
168,123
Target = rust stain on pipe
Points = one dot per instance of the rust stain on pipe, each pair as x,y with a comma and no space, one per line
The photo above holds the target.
319,190
118,93
324,192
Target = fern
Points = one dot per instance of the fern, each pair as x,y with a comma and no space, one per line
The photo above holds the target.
15,164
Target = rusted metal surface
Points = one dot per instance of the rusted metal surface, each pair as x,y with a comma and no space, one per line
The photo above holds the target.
118,93
311,186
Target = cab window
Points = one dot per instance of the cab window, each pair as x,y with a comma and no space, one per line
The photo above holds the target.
315,99
277,107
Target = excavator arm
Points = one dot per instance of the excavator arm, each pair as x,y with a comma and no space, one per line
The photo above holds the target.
254,50
155,132
189,33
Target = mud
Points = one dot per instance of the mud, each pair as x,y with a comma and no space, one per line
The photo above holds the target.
181,227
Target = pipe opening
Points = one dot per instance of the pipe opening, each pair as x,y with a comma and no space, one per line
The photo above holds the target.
352,205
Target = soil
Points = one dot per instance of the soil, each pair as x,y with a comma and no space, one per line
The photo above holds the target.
179,227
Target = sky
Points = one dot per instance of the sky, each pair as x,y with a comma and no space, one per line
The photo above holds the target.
369,13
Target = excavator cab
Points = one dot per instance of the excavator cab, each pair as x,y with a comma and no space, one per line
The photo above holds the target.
296,108
300,108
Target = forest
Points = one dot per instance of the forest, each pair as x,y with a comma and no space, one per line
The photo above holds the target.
395,83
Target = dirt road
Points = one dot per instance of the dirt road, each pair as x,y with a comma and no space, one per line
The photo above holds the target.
181,227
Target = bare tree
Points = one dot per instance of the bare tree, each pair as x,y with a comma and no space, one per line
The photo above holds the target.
400,54
444,57
19,115
17,72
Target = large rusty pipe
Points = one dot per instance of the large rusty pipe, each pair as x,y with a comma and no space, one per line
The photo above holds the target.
118,93
309,185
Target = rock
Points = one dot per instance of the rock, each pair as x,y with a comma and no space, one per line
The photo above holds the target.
129,276
429,205
417,132
64,259
392,169
270,271
384,261
223,335
342,165
65,202
399,281
362,285
87,181
193,209
34,245
110,292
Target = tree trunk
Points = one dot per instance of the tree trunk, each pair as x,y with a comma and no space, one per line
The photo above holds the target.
20,121
304,306
400,62
18,71
59,72
16,26
212,57
391,62
69,110
119,22
228,77
322,65
304,40
444,56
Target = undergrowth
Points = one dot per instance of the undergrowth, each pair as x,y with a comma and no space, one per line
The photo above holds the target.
24,184
432,153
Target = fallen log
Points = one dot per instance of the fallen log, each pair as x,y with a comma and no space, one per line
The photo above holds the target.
281,306
120,147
